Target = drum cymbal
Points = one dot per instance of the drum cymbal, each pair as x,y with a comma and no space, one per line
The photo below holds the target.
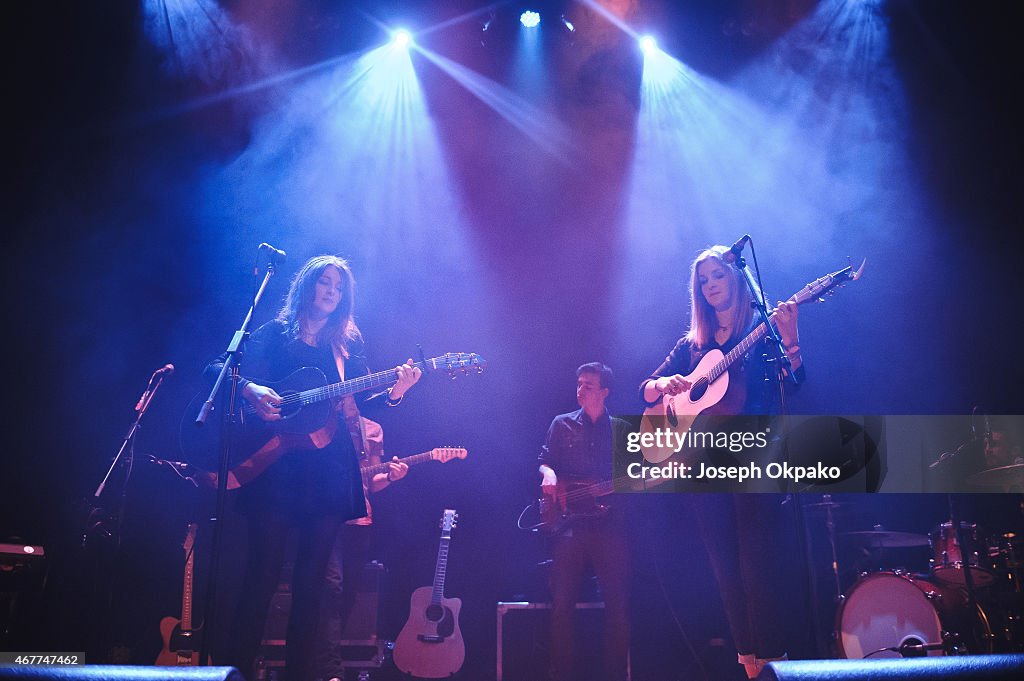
889,540
1004,476
828,504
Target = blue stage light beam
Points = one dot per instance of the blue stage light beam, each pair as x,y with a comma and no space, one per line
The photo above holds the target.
541,127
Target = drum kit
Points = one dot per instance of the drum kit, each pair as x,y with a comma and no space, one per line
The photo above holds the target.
969,601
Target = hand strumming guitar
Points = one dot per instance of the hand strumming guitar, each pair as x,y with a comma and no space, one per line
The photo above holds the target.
264,400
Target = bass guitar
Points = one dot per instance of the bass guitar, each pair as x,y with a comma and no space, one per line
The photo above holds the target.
307,410
181,641
709,381
430,644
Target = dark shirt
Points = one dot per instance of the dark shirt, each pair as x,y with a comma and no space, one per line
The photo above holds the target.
577,448
308,481
753,388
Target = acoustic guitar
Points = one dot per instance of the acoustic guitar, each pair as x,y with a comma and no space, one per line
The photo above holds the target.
307,418
430,644
709,381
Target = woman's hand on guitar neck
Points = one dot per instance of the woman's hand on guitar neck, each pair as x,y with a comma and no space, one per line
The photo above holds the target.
408,374
785,318
264,400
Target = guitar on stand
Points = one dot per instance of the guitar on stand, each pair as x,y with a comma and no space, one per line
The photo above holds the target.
430,644
181,641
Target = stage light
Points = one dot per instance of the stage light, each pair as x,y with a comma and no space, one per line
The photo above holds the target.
568,24
529,19
401,38
648,44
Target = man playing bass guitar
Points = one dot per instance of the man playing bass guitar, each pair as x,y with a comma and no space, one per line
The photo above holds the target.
578,452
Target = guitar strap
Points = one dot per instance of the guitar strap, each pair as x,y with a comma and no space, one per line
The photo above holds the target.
348,409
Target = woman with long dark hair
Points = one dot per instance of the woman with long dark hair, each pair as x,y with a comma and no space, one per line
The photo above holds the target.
311,492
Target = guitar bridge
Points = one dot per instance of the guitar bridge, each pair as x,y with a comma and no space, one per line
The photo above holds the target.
431,638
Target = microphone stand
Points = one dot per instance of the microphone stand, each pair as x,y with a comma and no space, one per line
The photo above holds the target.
126,453
97,517
229,418
761,305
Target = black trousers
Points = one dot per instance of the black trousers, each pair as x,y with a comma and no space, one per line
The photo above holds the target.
752,544
268,542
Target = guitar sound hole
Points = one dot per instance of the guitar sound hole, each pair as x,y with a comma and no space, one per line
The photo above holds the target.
291,409
434,612
698,389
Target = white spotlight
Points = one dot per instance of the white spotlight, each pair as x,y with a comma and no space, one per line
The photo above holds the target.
648,44
401,38
529,18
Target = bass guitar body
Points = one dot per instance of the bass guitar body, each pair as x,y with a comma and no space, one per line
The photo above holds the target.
430,644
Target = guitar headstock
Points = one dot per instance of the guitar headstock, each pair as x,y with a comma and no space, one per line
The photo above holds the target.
827,285
459,363
448,521
446,454
190,538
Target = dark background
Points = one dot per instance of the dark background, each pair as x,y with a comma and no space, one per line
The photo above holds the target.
138,191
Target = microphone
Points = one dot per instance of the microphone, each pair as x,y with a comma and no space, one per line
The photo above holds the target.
733,254
165,370
275,253
909,649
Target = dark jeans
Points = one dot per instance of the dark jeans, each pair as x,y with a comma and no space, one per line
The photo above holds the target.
344,572
603,544
751,542
268,541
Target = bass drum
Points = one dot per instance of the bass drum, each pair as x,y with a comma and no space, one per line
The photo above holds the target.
887,609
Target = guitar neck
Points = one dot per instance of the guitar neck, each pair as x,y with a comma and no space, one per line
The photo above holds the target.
186,596
751,339
422,457
440,570
352,386
186,587
813,291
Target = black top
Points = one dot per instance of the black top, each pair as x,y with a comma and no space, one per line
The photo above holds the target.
577,448
753,384
313,481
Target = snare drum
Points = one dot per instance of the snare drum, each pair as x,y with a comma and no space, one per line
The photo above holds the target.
887,610
947,557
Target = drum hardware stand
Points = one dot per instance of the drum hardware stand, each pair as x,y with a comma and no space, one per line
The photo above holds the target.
965,553
830,526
